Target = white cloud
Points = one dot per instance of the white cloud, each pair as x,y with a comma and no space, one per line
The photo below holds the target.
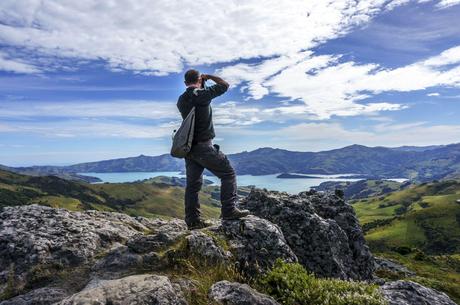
159,37
433,94
15,65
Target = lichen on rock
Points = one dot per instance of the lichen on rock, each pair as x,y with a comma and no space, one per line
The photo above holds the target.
410,293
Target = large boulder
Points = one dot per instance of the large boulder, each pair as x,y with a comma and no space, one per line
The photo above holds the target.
410,293
232,293
333,207
204,247
142,289
256,243
321,229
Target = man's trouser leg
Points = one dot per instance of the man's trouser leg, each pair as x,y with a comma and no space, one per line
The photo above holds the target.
194,173
210,157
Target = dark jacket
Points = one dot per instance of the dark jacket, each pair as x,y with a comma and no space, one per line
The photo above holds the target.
201,99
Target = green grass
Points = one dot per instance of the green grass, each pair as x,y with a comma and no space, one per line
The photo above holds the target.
70,204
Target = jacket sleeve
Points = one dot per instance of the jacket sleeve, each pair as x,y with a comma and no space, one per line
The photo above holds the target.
204,96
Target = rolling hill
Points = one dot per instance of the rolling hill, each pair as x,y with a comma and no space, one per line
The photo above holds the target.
418,227
143,198
361,189
425,216
415,163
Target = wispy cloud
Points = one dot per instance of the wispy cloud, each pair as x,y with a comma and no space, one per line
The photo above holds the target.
330,87
318,136
90,129
16,65
447,3
91,109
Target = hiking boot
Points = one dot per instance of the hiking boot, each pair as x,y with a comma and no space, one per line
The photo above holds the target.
236,214
199,224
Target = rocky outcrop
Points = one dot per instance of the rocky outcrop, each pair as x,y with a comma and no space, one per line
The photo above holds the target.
230,293
47,249
321,229
410,293
50,256
144,289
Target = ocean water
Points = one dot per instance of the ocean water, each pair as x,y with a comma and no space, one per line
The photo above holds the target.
270,182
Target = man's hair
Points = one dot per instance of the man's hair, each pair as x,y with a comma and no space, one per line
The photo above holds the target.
191,76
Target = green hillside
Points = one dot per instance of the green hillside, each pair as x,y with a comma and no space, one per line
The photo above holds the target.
419,227
426,216
136,199
362,188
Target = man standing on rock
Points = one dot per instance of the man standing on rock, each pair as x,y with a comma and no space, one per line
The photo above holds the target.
205,154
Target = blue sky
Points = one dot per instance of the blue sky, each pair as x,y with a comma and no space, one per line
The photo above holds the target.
90,80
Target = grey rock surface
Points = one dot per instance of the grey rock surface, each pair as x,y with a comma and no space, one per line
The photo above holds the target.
121,260
34,234
386,264
255,242
145,289
232,293
41,296
163,234
321,229
410,293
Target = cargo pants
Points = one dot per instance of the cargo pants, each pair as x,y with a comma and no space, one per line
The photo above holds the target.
207,155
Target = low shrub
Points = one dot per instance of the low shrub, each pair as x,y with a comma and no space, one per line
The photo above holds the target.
291,284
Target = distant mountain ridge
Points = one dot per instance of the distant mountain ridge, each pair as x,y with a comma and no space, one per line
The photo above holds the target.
416,163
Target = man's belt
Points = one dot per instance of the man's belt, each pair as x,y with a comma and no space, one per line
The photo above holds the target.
209,141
